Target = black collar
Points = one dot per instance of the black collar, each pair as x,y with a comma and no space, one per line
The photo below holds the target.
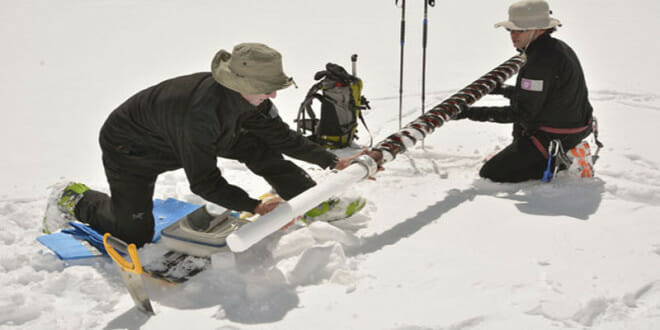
542,39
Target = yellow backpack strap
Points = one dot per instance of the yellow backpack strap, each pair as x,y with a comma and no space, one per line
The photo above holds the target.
360,103
356,88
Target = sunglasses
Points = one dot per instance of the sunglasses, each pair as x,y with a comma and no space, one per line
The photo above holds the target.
515,31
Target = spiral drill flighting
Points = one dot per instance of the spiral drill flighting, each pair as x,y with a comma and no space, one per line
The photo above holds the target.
425,124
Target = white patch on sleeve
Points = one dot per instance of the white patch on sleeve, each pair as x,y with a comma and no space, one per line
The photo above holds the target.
273,111
531,85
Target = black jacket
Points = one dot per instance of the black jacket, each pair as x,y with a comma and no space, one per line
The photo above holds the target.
550,91
187,122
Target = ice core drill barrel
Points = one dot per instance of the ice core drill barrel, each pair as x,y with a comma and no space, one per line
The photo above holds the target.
425,124
366,165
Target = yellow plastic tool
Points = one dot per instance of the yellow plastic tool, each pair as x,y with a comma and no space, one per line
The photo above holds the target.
130,271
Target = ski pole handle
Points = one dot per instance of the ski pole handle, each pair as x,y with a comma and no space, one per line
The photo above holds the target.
354,64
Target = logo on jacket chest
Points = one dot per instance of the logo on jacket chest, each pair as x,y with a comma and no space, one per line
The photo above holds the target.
531,85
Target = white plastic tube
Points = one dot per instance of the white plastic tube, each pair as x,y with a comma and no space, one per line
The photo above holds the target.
251,233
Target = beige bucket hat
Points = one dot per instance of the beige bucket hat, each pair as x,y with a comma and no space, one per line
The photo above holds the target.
251,68
529,15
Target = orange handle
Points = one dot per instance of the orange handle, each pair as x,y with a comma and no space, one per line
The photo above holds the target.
134,266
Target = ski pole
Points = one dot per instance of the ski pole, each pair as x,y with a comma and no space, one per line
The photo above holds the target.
354,64
427,3
403,41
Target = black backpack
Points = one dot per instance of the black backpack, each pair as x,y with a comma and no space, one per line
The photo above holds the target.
341,105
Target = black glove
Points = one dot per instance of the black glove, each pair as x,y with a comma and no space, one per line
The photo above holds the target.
465,113
491,114
504,90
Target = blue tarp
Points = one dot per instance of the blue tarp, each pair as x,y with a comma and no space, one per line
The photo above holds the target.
74,243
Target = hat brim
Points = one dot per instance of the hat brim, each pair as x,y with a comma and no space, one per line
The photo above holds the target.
512,26
244,85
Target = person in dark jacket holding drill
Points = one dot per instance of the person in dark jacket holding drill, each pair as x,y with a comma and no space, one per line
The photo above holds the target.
549,101
187,122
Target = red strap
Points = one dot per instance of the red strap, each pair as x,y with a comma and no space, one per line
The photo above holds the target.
564,130
539,146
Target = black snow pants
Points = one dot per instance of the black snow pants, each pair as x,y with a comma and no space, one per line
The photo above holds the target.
519,161
522,160
127,212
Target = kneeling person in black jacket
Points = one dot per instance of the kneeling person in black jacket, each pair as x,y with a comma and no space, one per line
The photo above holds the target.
187,122
550,99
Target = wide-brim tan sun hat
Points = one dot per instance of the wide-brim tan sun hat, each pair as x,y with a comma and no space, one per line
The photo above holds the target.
251,68
529,15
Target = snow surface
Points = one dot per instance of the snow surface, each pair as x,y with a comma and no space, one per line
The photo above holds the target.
435,248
